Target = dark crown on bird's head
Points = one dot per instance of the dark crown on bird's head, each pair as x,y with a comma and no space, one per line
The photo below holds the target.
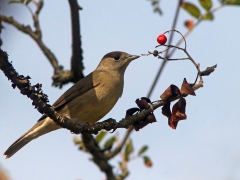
116,55
116,60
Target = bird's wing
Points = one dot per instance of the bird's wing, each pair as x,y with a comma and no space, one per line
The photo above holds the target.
77,89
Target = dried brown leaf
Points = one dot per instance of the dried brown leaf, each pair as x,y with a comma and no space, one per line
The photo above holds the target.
131,111
143,103
186,88
144,122
150,118
147,99
179,106
170,92
166,111
172,124
178,113
180,116
207,71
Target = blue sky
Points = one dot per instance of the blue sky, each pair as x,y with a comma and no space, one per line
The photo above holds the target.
205,146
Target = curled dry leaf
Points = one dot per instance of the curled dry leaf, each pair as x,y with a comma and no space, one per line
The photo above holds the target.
207,71
166,111
178,113
148,119
187,89
180,116
178,110
147,99
131,111
172,124
143,103
170,92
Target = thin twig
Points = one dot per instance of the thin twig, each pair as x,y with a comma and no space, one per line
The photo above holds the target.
194,27
120,145
178,43
27,30
97,155
123,167
177,59
174,30
35,17
166,54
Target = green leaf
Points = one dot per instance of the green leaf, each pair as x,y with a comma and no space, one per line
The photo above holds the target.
14,1
157,10
147,161
28,1
142,150
208,16
155,3
206,4
109,143
231,2
128,150
191,9
100,136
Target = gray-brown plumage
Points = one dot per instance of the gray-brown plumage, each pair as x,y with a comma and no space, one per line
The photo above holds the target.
88,100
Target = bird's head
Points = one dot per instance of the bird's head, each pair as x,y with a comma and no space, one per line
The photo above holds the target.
116,61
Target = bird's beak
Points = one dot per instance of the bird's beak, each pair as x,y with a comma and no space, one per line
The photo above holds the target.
132,57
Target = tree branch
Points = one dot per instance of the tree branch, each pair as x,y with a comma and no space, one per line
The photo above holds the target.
113,153
37,37
35,93
36,19
60,76
123,168
98,155
77,57
20,27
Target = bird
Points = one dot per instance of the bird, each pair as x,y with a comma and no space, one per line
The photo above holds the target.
88,100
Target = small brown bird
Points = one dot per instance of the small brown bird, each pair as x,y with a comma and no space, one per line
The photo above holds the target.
88,100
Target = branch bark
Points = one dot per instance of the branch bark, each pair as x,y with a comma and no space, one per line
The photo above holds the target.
98,155
36,36
118,149
60,76
77,57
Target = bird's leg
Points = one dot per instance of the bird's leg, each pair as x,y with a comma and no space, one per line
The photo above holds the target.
113,123
78,124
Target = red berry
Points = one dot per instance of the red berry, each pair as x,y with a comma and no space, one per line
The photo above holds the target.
162,39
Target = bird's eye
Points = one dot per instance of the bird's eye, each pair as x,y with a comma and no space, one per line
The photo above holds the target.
116,57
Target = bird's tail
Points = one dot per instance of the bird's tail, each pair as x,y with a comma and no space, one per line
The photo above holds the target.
40,128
